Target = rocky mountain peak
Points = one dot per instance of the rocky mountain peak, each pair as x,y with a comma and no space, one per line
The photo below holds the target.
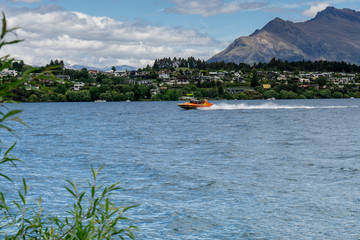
332,35
278,25
332,13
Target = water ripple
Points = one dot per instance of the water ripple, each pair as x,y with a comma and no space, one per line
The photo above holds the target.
282,170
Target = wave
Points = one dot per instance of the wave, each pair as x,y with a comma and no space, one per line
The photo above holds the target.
270,106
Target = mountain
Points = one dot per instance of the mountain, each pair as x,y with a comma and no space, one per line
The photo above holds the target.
333,35
79,67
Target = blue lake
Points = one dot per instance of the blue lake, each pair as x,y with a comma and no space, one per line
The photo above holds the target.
239,170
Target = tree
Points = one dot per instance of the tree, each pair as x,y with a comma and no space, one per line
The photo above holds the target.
130,96
107,81
227,95
309,94
82,74
94,93
61,88
254,79
271,94
78,96
212,93
220,90
156,65
326,93
173,94
242,96
33,98
18,66
337,95
198,94
321,81
141,92
116,96
106,96
287,94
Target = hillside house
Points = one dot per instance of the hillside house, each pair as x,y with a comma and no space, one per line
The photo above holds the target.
134,73
78,86
266,86
271,75
146,82
205,79
304,80
29,87
238,79
341,80
8,72
94,73
63,77
130,81
182,81
154,91
222,74
304,86
237,90
236,74
214,76
121,73
178,82
282,77
164,76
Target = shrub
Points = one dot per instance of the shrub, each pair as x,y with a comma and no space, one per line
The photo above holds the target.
326,93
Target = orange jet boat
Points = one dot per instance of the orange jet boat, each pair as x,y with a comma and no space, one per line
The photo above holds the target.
195,104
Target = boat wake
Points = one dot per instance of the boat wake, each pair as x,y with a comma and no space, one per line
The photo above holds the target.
270,106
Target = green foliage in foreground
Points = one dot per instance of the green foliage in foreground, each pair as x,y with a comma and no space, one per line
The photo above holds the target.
93,214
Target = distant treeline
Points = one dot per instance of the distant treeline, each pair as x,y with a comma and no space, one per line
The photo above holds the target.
192,63
273,65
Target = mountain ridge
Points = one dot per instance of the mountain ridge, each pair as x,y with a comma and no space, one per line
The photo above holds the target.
104,69
333,35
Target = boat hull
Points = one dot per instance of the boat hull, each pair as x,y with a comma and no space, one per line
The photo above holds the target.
191,105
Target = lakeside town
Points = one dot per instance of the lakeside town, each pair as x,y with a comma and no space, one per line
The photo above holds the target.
178,79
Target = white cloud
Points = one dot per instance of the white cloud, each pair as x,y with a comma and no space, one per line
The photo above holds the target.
52,33
207,8
27,1
313,10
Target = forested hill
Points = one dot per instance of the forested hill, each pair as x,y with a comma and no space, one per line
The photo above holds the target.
273,65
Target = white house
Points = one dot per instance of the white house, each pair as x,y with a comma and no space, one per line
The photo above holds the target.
78,86
121,73
8,72
164,76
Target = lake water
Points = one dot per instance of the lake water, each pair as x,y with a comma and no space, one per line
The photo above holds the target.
239,170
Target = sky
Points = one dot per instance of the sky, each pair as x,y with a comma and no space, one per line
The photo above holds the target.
105,33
